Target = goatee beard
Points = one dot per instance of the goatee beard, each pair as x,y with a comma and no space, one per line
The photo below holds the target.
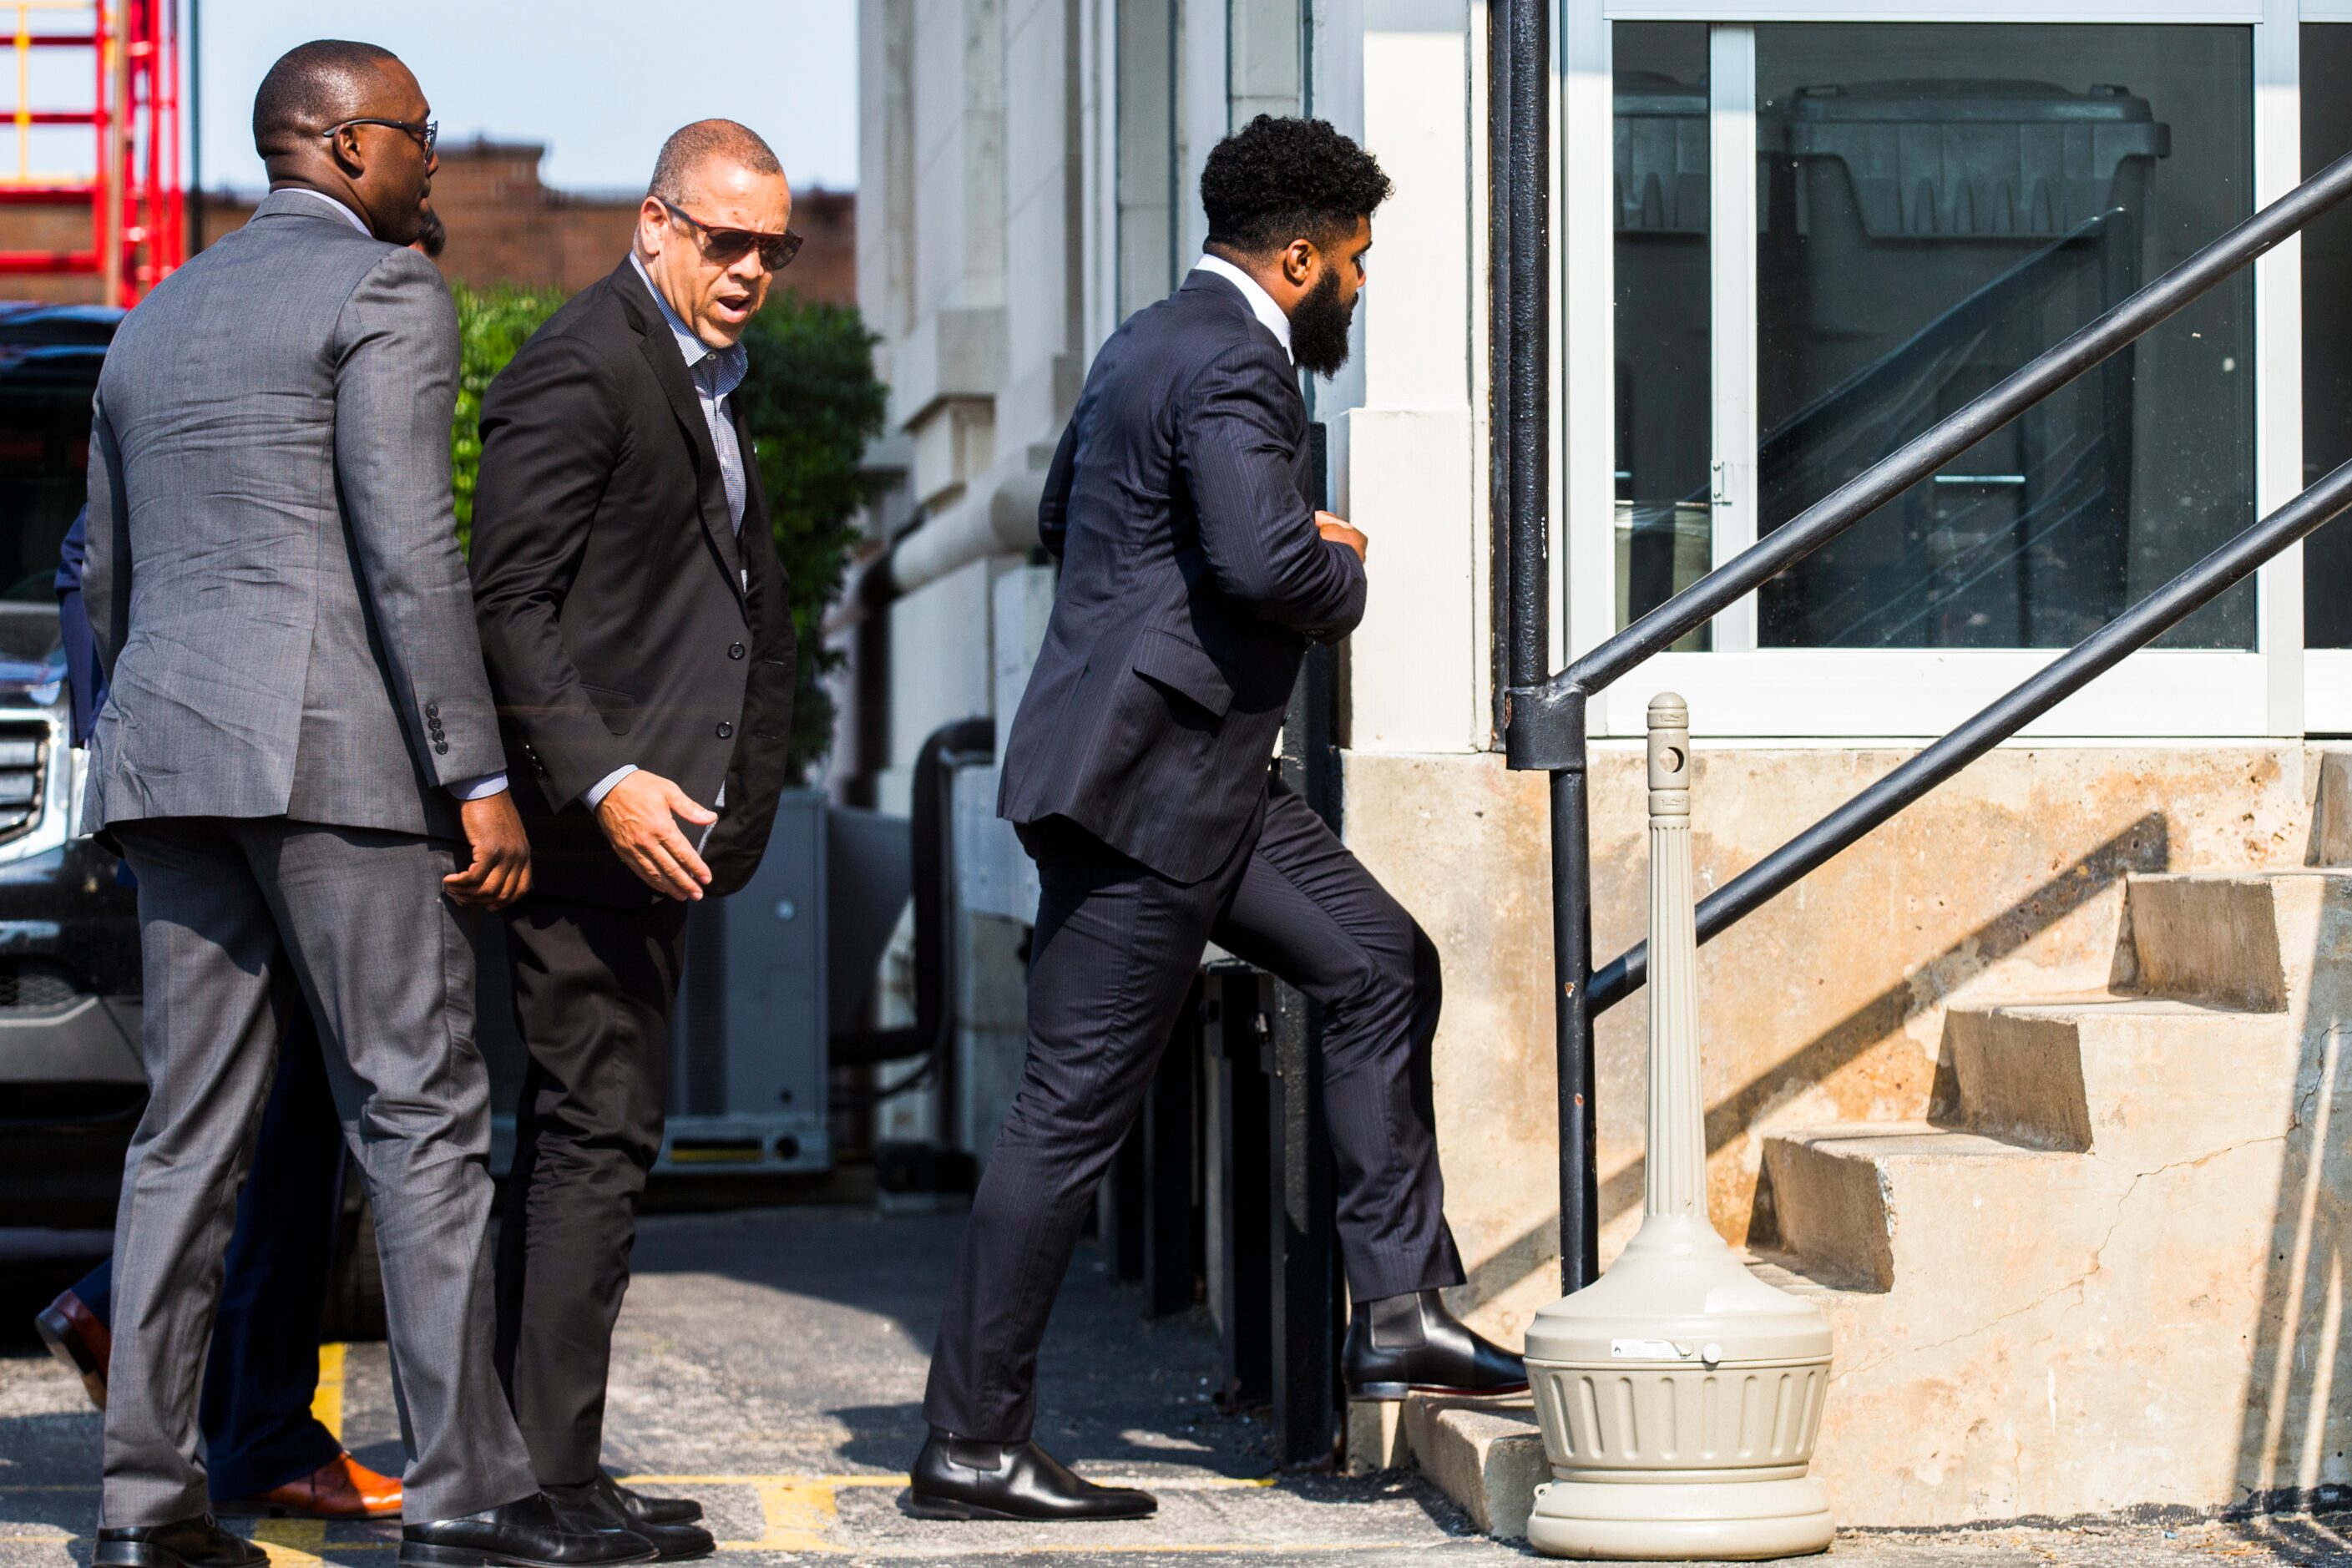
1319,328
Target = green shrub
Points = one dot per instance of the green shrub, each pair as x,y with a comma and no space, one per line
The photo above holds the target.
812,402
492,323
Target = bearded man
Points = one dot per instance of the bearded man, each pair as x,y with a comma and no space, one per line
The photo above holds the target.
1194,575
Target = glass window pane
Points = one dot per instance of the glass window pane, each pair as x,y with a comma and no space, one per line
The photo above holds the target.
1943,203
2326,334
1663,394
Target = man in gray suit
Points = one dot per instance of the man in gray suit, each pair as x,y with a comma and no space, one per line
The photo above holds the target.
299,760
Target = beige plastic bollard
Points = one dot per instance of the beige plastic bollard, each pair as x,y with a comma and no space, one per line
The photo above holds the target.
1679,1396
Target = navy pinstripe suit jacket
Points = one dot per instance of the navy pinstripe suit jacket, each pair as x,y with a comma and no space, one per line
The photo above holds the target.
1193,581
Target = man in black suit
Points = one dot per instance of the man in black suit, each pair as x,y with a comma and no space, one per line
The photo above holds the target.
1194,574
641,652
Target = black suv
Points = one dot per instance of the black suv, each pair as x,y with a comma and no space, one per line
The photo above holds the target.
70,1084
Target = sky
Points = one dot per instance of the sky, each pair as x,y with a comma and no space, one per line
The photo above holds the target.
600,82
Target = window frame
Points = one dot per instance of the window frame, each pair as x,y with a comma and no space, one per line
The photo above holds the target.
1839,695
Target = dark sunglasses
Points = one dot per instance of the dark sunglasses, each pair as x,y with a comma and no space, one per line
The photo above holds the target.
726,246
428,135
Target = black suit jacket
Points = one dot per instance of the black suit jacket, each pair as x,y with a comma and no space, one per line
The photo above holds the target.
622,618
1192,579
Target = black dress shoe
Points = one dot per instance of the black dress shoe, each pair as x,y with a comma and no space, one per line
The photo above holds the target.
530,1533
955,1477
644,1509
198,1542
1400,1344
591,1507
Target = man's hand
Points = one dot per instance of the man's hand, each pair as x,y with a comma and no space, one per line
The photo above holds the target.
640,815
500,872
1330,525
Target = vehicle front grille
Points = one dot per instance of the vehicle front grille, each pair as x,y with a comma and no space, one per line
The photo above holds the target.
38,985
23,751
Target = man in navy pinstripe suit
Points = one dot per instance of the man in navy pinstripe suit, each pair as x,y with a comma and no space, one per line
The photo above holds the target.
1194,575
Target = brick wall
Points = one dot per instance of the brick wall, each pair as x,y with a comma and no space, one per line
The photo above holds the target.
505,227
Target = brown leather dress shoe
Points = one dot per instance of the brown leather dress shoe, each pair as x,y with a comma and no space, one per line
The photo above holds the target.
342,1488
78,1339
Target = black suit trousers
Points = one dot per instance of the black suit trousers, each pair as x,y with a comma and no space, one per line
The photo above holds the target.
593,990
1116,948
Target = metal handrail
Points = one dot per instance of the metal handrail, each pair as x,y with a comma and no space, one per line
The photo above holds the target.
1544,722
1995,723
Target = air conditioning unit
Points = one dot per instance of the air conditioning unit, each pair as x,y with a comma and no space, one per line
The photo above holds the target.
748,1058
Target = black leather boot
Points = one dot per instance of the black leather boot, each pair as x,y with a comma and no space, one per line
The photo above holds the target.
529,1534
591,1507
198,1542
1402,1345
956,1478
644,1509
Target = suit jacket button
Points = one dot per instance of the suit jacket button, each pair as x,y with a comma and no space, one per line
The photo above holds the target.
735,650
441,746
433,710
725,729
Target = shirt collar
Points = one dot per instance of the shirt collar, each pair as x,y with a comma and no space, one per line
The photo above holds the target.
733,361
1261,303
349,216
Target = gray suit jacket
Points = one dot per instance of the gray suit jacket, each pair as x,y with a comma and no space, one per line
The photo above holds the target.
274,580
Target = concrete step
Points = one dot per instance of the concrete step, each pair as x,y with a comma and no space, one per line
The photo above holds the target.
1855,1204
2138,1077
2254,942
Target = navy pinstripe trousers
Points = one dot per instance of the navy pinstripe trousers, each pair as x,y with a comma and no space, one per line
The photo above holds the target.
1116,948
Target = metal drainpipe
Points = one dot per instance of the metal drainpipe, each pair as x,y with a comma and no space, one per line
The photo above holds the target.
1519,64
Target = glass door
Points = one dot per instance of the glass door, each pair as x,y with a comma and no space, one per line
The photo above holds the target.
1824,236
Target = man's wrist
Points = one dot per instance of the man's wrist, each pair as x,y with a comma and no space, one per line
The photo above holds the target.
593,797
480,787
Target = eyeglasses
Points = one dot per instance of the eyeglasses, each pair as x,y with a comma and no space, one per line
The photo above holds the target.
428,135
726,246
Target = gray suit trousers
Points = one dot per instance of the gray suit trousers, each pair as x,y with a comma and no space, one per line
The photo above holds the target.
226,908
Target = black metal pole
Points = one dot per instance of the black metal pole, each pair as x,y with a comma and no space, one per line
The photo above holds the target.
2044,689
1520,155
1527,406
1500,430
1572,959
1932,448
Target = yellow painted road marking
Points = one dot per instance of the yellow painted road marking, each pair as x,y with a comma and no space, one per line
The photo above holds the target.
292,1542
326,1403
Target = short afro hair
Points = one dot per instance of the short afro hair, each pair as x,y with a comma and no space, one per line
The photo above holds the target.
311,87
1276,180
692,147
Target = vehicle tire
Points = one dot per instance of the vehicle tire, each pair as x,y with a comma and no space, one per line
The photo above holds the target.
355,1279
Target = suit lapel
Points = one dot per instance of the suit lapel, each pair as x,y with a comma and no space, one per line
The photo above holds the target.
660,349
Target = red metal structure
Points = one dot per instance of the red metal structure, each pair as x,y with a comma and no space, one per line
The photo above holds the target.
137,211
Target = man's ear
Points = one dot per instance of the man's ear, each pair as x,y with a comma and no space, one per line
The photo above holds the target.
343,147
1298,262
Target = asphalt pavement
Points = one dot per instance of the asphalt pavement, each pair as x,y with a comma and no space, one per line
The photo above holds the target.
770,1362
